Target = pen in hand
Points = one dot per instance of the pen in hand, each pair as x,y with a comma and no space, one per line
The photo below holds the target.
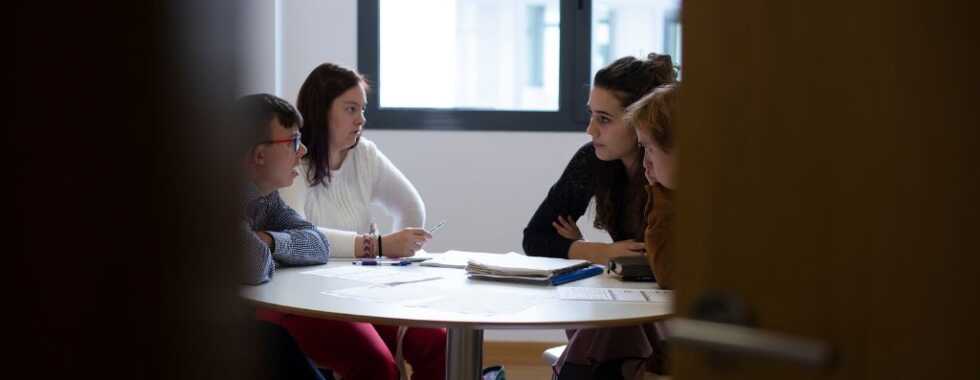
435,229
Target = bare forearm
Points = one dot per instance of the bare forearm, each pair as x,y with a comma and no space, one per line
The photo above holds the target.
593,252
359,246
600,253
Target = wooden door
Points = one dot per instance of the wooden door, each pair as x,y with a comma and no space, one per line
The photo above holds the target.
124,210
828,177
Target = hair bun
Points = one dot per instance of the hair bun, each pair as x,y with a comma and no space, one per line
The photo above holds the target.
661,67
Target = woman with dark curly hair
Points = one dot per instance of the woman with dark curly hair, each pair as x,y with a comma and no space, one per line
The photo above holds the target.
610,170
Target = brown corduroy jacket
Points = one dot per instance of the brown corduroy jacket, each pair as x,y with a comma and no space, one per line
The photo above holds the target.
658,235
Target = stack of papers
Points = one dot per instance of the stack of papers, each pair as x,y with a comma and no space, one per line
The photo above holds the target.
517,267
520,265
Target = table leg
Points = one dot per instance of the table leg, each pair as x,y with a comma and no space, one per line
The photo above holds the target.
464,353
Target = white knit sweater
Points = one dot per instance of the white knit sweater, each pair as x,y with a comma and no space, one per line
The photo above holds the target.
340,208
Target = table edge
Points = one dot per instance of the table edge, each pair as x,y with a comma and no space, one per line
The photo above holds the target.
457,324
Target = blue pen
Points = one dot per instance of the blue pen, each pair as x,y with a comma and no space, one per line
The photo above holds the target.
399,263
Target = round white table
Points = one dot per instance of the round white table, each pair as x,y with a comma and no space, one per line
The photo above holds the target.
463,306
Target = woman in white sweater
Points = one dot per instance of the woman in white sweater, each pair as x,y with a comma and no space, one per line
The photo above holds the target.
358,176
344,173
341,176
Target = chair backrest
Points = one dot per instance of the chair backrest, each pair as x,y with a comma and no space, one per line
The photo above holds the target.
551,355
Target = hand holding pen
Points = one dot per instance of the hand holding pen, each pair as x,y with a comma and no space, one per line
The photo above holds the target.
403,243
430,232
406,242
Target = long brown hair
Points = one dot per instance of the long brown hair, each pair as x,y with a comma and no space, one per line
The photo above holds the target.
619,195
316,95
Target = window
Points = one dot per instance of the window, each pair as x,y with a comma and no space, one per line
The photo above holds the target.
634,27
602,36
672,37
469,54
498,65
542,48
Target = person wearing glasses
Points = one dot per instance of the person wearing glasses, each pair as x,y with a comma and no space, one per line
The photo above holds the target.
274,234
609,171
341,176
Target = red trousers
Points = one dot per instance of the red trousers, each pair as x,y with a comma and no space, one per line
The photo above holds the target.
358,350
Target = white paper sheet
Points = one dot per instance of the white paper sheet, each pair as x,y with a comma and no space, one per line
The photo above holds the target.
420,295
486,305
459,259
613,294
378,275
388,294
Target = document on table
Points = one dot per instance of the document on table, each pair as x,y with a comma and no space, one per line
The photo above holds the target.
378,275
488,305
459,259
388,294
420,295
613,294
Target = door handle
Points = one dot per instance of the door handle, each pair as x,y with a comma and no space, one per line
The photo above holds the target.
724,327
732,340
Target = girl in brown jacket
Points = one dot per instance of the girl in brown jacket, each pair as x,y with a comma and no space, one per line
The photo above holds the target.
612,352
654,117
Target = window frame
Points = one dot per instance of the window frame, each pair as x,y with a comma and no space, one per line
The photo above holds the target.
575,36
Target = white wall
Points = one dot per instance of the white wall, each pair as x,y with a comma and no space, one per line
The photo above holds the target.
314,32
485,184
258,53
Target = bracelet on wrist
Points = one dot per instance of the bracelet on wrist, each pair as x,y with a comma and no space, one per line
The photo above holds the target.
366,246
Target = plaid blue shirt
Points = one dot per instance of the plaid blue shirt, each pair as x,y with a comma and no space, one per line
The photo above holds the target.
297,242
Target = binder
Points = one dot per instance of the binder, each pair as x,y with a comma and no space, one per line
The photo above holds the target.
576,275
631,268
556,279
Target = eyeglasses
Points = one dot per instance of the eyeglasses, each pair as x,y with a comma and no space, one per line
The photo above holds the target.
296,140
